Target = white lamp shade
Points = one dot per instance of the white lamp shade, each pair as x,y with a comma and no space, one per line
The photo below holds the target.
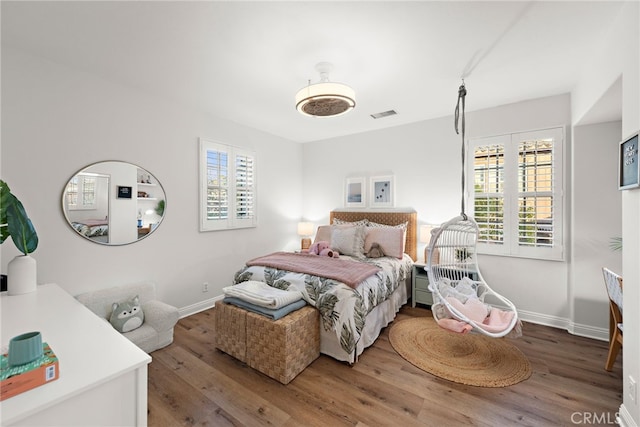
305,229
425,233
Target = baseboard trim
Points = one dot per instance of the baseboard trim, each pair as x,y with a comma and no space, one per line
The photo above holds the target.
578,329
544,319
587,331
624,418
199,306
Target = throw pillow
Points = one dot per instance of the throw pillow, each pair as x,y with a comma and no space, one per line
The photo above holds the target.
127,315
348,241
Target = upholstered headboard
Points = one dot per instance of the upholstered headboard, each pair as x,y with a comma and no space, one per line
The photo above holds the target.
388,218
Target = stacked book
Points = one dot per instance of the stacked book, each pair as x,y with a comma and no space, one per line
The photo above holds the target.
18,379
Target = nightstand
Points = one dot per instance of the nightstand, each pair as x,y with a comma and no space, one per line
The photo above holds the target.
420,292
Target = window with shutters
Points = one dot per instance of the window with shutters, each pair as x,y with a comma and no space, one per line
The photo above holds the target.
227,187
517,193
81,192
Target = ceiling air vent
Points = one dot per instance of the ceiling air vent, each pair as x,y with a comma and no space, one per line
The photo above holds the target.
384,114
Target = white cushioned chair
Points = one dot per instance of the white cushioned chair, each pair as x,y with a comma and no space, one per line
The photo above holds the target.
159,318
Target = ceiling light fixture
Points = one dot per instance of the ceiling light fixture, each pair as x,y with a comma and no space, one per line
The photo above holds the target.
325,99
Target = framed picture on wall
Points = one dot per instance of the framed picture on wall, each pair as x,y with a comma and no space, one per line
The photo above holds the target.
124,192
382,191
628,171
355,196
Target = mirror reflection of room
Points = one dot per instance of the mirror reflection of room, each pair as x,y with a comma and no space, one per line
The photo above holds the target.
86,204
113,203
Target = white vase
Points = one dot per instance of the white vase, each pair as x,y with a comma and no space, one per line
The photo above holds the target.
21,275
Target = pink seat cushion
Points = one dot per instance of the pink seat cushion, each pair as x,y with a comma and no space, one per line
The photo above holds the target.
474,309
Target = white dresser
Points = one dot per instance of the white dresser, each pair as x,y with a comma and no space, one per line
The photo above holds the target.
103,376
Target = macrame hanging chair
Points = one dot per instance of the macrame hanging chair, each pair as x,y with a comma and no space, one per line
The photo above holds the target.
462,300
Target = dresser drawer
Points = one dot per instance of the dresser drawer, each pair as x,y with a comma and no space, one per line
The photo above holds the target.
422,283
424,297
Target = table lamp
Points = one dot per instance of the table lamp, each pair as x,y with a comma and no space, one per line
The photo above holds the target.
425,237
305,229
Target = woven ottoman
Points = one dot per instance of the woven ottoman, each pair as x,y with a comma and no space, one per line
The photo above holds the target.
283,348
231,330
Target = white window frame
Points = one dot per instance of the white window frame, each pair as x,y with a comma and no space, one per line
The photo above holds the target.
510,245
232,221
81,182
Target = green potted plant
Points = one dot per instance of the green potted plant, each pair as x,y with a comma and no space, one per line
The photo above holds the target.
160,208
14,222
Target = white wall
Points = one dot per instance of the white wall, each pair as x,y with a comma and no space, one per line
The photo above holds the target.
425,159
56,120
596,218
619,55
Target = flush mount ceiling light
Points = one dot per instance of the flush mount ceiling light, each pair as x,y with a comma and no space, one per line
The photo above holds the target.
325,99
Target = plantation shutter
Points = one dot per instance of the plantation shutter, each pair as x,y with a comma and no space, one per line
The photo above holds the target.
517,193
228,187
245,209
489,192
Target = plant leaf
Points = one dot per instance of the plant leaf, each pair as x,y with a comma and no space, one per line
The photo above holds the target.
5,200
615,244
20,227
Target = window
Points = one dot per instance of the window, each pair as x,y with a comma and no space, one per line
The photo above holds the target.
81,192
517,195
227,187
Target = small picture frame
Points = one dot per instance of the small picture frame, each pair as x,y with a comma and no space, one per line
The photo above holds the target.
355,195
382,191
124,192
628,171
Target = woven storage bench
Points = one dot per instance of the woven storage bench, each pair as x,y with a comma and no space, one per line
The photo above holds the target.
282,348
231,330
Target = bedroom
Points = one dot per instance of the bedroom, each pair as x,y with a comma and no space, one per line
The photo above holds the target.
59,116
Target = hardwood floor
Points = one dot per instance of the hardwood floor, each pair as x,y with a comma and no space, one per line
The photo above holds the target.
192,383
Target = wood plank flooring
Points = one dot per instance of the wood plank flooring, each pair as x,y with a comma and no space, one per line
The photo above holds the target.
192,383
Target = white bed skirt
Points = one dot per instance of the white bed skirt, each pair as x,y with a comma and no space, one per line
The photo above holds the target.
378,318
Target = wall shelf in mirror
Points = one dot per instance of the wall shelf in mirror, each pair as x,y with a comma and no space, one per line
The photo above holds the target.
93,210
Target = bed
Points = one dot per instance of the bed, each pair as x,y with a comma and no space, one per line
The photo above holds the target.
352,313
96,229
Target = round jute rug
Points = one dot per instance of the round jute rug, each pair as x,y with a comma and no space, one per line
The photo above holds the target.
470,359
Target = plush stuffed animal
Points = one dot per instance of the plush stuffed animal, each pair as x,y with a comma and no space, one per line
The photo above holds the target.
322,248
375,251
329,253
127,315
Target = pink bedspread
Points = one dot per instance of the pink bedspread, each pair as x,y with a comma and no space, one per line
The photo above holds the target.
346,271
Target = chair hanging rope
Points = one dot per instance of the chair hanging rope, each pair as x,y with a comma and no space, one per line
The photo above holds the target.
462,93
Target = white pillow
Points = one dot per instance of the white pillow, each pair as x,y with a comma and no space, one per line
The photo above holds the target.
348,240
391,240
323,234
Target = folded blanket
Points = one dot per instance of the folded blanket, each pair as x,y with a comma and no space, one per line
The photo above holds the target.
273,314
259,293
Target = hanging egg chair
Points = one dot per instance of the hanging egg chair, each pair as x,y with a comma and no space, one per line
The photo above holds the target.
462,300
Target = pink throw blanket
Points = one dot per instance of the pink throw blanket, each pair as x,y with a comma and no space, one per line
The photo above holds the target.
345,271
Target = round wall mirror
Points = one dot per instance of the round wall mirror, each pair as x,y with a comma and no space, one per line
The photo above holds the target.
113,203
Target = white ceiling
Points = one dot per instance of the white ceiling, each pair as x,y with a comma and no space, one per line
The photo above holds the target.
244,61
